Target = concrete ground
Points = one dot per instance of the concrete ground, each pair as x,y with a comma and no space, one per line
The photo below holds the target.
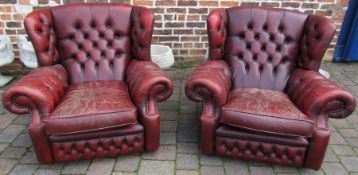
178,138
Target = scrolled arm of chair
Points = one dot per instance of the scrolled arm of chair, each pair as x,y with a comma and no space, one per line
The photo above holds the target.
147,84
210,83
317,96
39,91
211,79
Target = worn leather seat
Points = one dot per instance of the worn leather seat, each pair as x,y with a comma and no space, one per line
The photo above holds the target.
95,91
92,106
265,111
263,98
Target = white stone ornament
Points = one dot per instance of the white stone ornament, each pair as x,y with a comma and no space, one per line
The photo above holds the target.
27,52
162,55
6,57
324,73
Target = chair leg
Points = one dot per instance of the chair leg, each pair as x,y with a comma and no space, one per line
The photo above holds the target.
208,126
151,125
317,149
40,143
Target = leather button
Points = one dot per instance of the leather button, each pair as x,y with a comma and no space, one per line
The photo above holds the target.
250,26
93,24
265,27
248,46
78,25
280,28
263,47
257,36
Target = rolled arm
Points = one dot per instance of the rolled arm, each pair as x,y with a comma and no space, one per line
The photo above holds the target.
316,96
39,91
148,84
210,83
211,79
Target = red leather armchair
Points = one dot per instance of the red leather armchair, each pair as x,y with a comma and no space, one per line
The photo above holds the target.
95,93
263,98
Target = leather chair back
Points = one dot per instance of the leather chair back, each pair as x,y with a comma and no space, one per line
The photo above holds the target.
93,41
263,45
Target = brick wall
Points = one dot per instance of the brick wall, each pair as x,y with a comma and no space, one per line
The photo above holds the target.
179,24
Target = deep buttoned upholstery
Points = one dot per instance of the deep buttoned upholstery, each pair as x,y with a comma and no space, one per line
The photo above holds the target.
88,98
263,97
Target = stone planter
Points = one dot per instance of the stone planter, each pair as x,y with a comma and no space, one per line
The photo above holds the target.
6,57
27,52
162,55
324,73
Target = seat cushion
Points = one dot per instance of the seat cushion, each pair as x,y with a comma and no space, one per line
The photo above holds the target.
265,111
92,106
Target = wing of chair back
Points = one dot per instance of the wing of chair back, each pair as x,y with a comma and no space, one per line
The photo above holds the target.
39,26
317,36
217,21
147,83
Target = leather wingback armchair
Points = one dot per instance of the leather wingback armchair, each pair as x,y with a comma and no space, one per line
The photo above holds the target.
95,92
263,98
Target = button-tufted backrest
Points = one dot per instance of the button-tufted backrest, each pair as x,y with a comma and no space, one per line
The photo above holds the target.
94,41
263,45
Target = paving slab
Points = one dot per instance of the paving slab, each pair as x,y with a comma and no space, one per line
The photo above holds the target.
23,169
6,165
128,163
212,170
164,152
101,166
156,167
78,167
334,169
187,161
6,119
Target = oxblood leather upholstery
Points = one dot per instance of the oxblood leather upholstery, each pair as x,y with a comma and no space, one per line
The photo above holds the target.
209,83
263,97
39,91
111,143
265,111
95,93
92,106
249,146
316,96
148,84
